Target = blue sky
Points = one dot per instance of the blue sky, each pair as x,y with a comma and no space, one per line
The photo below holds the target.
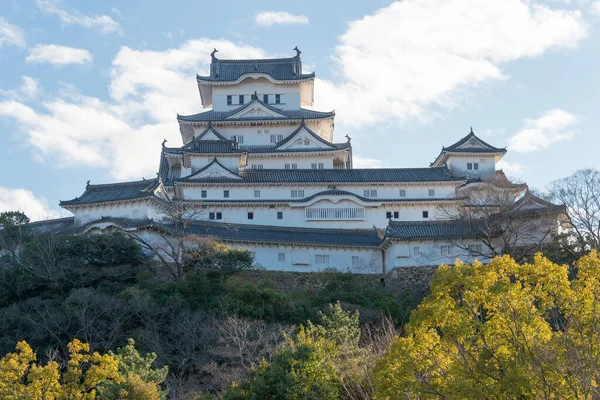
88,90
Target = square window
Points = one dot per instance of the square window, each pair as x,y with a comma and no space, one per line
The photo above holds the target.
373,193
388,214
313,165
257,193
287,166
273,138
250,215
431,192
416,251
318,259
294,193
469,166
294,166
281,257
402,193
241,97
266,98
475,166
325,259
355,261
203,194
279,138
211,215
277,99
219,215
229,100
226,193
279,214
300,193
367,193
396,214
321,165
425,214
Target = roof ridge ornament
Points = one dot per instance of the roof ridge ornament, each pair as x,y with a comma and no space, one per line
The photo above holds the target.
472,131
212,55
348,139
298,52
87,185
163,143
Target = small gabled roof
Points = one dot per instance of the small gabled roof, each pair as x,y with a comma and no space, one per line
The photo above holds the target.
210,129
279,69
302,127
211,164
467,145
408,230
532,204
115,192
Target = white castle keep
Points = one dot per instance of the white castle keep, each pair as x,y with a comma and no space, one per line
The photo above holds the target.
264,173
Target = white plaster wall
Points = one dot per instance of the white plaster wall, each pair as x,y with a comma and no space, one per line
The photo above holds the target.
458,166
267,256
290,94
402,253
116,210
198,162
303,162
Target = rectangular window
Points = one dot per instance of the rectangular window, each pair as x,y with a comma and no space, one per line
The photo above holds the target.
321,259
367,193
297,193
229,100
388,214
287,166
266,98
431,192
241,97
446,250
226,193
321,165
279,138
416,251
257,193
281,257
203,194
219,215
313,165
279,214
482,161
277,99
425,214
257,166
396,214
475,166
266,131
294,166
214,174
475,249
211,215
402,193
259,131
355,261
250,215
238,138
469,166
478,249
373,193
273,138
135,214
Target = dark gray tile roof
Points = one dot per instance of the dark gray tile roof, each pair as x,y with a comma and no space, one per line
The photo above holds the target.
115,192
207,147
283,69
434,229
487,149
278,234
374,175
55,226
273,149
215,116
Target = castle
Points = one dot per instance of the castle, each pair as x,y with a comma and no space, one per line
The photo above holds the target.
264,173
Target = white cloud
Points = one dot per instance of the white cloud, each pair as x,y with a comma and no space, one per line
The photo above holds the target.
539,134
595,8
58,55
28,90
270,18
11,35
25,201
511,169
101,23
406,59
365,162
148,89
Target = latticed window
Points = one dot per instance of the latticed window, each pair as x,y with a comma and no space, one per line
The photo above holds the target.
335,213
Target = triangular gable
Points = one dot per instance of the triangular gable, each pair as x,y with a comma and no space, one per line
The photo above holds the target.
303,137
472,143
210,133
214,170
256,108
532,202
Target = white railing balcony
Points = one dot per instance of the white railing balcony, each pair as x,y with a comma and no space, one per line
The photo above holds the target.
322,214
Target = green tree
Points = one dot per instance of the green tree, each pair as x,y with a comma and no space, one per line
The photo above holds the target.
502,330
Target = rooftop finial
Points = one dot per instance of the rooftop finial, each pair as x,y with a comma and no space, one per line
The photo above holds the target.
471,129
163,143
87,184
212,55
348,138
298,52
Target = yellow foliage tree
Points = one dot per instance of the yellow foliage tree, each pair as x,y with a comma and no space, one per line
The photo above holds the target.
85,376
501,330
